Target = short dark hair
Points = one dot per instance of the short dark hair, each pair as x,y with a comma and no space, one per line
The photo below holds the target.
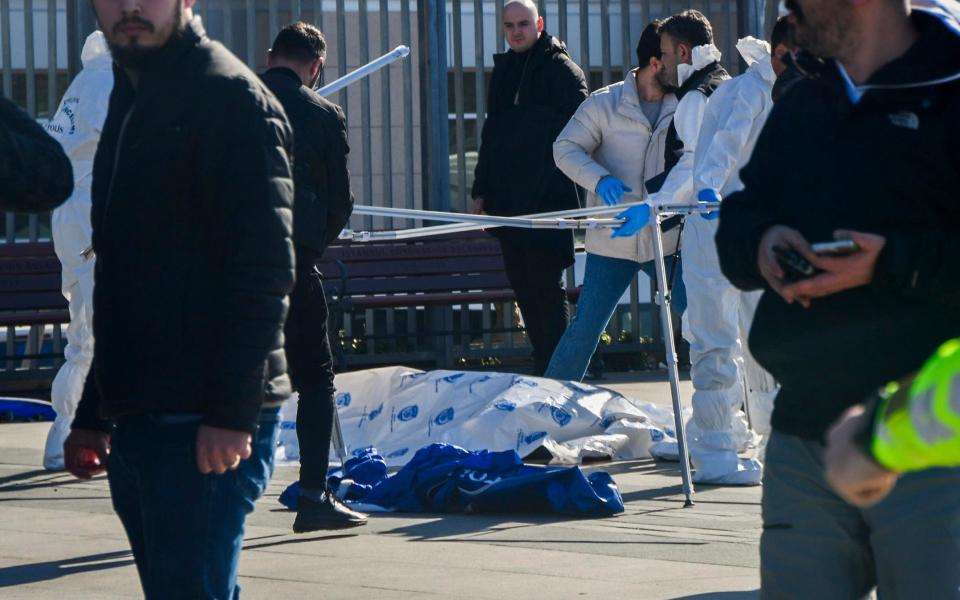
689,27
649,45
300,42
782,34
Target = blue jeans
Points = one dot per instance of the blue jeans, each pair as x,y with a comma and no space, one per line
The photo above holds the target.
185,528
605,281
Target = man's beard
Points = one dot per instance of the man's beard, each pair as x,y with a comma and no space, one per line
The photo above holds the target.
823,32
135,56
663,78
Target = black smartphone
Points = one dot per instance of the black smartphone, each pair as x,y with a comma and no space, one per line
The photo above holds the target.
795,266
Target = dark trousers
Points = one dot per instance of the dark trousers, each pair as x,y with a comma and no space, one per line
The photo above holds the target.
815,545
185,528
536,277
310,364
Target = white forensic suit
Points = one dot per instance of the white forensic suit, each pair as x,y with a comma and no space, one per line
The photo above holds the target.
77,126
719,315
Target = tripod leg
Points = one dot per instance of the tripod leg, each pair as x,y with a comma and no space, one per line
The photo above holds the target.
663,298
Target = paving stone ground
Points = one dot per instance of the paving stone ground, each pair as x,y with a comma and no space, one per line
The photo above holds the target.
59,538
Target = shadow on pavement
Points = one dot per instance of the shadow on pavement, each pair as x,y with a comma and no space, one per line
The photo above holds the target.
501,541
45,571
457,525
723,596
37,479
300,540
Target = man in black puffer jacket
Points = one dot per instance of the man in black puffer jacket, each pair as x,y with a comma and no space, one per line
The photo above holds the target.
534,91
867,148
322,207
35,174
192,196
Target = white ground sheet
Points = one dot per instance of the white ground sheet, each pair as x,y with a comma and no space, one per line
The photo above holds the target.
399,410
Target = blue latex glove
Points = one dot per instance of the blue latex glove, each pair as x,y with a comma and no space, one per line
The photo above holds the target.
709,196
637,218
611,190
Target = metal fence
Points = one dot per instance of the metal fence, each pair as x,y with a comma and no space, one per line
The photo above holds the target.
414,127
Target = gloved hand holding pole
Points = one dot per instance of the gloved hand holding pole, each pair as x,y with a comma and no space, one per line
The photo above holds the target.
709,197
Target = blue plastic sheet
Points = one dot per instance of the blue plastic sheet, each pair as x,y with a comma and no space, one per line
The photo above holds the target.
16,409
448,479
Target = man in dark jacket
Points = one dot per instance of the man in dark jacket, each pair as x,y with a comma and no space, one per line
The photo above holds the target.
35,174
866,148
192,196
534,91
322,207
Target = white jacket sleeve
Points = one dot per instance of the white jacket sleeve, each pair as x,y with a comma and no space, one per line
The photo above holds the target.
573,150
735,122
678,188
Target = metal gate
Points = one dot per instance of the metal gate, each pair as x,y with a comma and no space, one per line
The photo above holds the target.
414,127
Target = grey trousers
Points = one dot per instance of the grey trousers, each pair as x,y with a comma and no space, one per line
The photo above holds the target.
814,545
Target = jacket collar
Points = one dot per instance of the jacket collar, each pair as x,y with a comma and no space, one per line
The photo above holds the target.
167,59
546,45
933,60
286,73
629,104
756,53
94,49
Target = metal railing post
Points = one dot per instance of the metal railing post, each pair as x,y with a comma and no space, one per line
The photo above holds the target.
435,129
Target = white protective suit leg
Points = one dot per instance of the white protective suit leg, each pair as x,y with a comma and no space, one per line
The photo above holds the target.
68,384
762,388
718,429
77,125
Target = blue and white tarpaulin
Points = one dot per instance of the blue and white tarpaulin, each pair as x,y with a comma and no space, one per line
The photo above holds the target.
399,410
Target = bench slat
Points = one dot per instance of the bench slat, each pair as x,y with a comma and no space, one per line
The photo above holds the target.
430,283
408,267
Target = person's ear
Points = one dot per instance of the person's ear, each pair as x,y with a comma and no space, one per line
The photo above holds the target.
315,67
685,53
269,57
540,24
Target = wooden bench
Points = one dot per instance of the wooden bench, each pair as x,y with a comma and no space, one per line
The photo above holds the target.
439,294
32,313
434,301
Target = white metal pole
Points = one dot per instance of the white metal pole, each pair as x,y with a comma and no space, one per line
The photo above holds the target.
673,370
368,69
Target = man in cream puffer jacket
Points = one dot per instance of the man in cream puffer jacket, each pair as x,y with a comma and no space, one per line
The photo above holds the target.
611,146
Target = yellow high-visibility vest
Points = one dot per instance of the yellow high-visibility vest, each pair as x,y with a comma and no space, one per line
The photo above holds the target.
917,425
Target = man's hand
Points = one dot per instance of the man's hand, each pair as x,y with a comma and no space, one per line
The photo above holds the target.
853,475
220,450
85,453
477,208
635,219
840,273
780,236
611,190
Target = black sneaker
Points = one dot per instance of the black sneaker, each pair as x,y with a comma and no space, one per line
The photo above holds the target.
326,513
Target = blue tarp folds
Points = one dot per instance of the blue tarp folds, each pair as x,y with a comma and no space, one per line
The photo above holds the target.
448,479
